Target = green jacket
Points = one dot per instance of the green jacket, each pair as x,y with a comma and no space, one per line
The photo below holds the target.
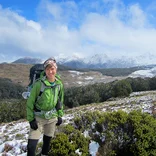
48,99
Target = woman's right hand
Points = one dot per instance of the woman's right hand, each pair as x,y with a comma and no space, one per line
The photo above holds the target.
33,124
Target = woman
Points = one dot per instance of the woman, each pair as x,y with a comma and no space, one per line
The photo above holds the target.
45,108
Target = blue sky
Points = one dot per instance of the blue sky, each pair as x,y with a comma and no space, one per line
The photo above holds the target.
116,28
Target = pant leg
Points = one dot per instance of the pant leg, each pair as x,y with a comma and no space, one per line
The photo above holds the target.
49,130
49,127
34,136
31,147
46,144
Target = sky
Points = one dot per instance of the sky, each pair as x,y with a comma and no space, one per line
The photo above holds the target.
81,28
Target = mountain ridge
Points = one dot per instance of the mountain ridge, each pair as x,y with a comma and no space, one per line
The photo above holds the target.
98,61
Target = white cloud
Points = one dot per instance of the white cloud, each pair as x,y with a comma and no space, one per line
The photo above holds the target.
55,10
63,28
137,16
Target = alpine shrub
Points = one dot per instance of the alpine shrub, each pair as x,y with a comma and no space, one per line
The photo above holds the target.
67,141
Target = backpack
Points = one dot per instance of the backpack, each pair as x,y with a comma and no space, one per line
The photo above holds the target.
36,72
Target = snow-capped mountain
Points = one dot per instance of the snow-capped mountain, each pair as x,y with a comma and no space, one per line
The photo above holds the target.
103,61
97,61
74,61
145,59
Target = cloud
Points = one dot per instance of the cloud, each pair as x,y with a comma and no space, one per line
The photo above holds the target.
83,28
137,18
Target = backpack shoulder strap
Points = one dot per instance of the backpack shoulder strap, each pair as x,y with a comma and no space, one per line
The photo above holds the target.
43,86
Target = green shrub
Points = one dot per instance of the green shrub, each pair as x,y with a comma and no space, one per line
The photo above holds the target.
120,133
152,83
121,88
127,134
139,84
84,121
11,110
67,141
9,89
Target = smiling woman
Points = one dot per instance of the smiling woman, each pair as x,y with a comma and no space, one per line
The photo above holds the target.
45,107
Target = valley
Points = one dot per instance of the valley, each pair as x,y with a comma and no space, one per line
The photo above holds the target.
19,73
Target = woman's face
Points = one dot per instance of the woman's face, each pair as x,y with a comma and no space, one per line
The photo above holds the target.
50,72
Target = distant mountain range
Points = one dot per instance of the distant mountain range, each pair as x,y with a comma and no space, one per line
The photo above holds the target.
104,61
97,61
28,60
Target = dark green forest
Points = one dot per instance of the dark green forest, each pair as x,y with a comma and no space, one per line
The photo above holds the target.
77,96
9,89
100,92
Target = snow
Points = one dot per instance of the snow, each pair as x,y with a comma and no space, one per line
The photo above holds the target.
144,73
86,134
79,82
93,148
78,152
89,78
18,146
76,72
14,136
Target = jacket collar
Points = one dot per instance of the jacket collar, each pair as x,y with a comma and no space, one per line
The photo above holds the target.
47,83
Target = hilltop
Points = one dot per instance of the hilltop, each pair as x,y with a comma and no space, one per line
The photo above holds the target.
18,73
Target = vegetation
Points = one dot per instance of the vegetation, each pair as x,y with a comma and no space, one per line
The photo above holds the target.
77,96
12,110
10,90
118,71
114,71
121,89
67,141
119,133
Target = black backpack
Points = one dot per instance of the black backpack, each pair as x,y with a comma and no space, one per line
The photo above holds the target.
35,73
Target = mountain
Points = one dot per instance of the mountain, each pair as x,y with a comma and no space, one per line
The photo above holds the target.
104,61
28,60
97,61
74,61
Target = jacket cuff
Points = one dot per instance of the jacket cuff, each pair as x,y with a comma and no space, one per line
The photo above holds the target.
60,113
